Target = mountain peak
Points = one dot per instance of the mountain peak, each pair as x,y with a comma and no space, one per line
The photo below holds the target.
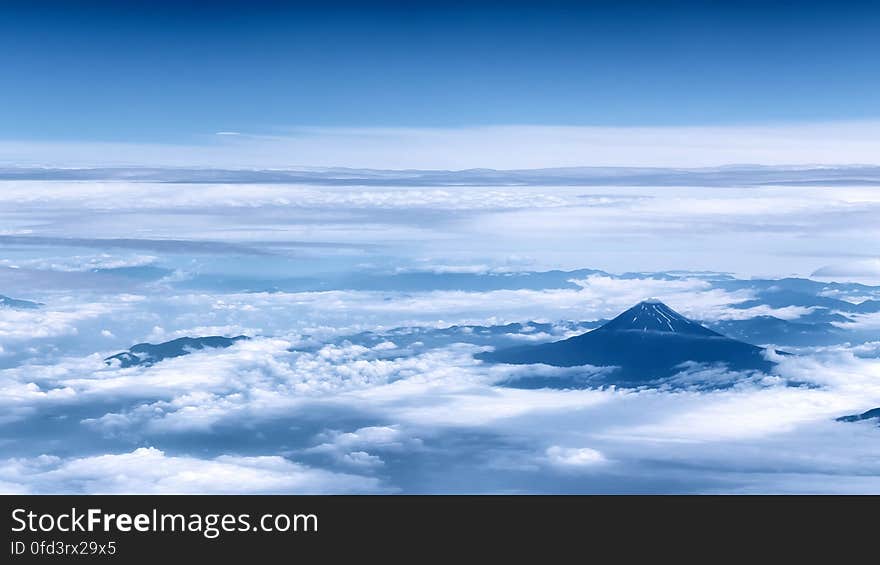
652,315
647,342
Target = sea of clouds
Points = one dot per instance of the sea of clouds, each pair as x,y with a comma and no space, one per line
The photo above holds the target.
308,406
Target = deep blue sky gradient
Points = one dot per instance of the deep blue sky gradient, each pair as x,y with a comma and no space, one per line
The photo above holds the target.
175,71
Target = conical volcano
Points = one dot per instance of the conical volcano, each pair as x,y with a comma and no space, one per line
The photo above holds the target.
654,316
649,341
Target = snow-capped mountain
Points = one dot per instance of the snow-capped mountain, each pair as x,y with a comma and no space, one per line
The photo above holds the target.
652,315
649,341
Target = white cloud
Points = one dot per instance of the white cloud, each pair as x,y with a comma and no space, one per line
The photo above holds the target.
573,457
759,425
863,270
435,403
81,263
60,319
121,195
361,459
859,267
861,322
768,230
379,437
784,313
350,448
597,297
151,471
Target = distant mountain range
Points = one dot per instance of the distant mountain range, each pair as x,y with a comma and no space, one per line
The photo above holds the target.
148,353
769,329
6,302
870,414
650,341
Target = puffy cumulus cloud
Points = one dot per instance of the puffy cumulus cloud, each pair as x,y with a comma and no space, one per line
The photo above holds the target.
571,458
406,403
444,393
72,381
255,380
193,412
19,400
378,437
361,459
840,368
262,380
60,318
350,447
861,322
536,336
260,389
710,376
867,349
151,471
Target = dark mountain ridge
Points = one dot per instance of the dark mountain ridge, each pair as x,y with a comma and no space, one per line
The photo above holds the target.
7,302
649,341
148,353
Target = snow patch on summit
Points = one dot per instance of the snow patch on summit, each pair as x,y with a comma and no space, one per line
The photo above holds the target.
655,316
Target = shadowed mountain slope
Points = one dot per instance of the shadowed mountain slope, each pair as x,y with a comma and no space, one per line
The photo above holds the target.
647,342
148,353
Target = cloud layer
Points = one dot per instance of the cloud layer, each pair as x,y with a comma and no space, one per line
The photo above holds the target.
150,471
366,306
501,147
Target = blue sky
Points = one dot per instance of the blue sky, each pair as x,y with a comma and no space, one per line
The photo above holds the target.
92,71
